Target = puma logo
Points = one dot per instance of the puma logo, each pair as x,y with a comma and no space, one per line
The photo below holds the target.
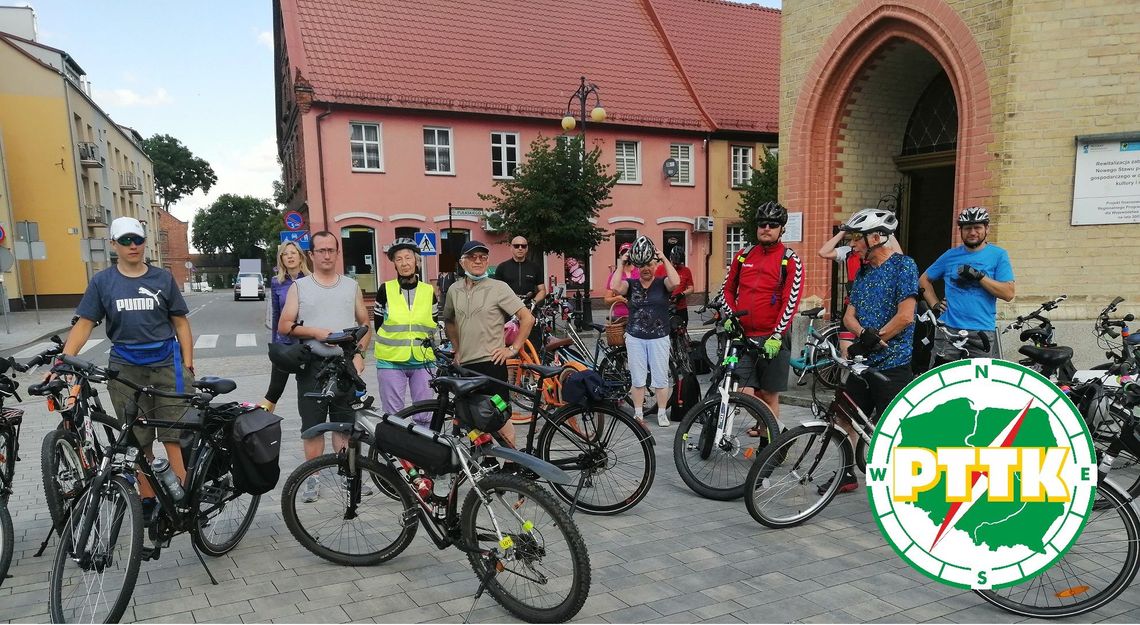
147,292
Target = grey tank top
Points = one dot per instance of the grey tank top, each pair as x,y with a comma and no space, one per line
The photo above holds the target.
329,307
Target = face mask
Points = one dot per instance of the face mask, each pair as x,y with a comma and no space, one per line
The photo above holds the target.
478,278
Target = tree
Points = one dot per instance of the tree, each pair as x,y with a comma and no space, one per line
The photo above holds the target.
241,225
761,187
553,196
177,172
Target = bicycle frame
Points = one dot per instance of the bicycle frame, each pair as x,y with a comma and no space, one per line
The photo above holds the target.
812,342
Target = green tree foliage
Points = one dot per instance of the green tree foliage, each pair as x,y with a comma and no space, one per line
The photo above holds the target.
553,196
241,225
177,172
762,187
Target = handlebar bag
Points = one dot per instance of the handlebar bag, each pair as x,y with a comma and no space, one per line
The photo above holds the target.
255,446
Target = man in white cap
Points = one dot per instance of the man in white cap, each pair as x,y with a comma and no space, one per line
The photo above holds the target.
151,341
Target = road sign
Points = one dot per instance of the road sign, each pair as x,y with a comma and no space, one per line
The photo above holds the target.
301,237
33,250
426,242
2,233
7,259
188,265
294,220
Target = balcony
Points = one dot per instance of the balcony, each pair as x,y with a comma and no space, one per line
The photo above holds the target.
89,155
95,214
129,182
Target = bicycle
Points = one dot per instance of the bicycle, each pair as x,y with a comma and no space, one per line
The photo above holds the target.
100,550
709,447
1053,361
10,421
608,454
508,525
813,358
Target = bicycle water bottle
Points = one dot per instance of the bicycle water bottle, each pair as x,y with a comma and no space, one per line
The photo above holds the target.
423,486
167,478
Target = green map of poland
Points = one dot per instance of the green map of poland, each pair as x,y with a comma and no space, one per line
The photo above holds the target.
989,524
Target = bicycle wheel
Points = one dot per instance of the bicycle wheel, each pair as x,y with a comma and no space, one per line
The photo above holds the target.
1094,571
224,513
64,473
7,460
822,367
717,469
376,531
616,367
93,582
712,346
605,450
785,483
540,568
7,542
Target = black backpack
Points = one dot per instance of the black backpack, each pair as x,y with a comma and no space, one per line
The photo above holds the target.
685,394
255,448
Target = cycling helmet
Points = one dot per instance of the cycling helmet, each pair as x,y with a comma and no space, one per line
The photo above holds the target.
772,211
974,215
642,251
677,255
872,220
402,244
291,358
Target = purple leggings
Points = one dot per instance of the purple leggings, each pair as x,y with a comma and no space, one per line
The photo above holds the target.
394,383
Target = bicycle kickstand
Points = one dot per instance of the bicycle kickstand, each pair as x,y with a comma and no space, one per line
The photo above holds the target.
577,492
57,527
484,581
203,561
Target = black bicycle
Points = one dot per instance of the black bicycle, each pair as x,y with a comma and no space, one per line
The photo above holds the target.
10,421
522,545
101,548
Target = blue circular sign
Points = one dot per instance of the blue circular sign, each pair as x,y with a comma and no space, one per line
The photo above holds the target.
294,220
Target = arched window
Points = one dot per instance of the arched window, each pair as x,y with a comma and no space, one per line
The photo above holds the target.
933,125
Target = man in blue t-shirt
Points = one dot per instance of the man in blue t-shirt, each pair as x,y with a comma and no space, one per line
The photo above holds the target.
975,274
151,342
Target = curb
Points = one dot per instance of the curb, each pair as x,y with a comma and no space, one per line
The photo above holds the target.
62,332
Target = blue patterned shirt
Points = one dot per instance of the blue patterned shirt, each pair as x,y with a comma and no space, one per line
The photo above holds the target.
876,296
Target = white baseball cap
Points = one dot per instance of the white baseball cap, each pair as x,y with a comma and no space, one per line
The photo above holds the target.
127,225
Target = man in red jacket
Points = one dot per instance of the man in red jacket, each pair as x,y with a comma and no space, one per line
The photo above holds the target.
766,281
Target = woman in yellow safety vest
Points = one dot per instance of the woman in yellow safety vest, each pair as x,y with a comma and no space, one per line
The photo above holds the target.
404,315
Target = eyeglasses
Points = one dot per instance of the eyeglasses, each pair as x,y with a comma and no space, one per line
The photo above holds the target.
128,240
476,258
855,236
325,251
519,246
770,225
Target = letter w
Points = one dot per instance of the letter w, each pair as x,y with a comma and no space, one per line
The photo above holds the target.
878,474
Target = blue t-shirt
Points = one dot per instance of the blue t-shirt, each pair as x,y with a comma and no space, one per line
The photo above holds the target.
648,309
876,296
137,310
971,307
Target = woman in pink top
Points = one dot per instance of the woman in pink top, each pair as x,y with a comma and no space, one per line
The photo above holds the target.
620,309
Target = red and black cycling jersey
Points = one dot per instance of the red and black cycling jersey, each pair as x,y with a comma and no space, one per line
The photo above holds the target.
767,282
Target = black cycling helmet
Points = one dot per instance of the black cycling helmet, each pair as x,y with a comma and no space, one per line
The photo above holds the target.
289,358
772,211
642,251
402,244
677,255
974,215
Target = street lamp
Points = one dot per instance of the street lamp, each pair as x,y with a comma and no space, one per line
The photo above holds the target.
597,114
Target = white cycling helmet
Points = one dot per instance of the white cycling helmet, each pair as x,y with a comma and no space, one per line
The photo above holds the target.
642,252
872,220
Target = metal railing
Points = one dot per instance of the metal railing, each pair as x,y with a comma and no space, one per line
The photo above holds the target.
89,154
128,181
95,214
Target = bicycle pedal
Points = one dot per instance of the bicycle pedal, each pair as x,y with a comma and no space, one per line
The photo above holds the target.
151,553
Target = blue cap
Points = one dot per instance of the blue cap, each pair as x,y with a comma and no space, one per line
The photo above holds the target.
471,246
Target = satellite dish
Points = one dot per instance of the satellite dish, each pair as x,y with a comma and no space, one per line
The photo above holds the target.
670,167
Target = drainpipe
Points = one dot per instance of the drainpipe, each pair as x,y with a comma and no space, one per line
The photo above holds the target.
321,165
708,213
79,192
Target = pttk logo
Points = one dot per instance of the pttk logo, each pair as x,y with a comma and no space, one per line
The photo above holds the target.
981,474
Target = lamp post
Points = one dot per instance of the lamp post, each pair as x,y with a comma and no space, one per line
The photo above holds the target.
597,114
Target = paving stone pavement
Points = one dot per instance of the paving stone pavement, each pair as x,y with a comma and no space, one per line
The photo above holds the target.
673,558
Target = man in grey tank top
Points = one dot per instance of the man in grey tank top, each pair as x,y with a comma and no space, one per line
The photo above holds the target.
316,306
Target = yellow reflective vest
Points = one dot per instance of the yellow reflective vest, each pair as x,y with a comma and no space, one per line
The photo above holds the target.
398,339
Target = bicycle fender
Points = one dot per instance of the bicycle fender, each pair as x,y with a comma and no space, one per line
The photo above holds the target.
319,430
809,424
542,468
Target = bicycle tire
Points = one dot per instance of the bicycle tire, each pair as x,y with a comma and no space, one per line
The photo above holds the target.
62,471
734,453
618,366
797,451
398,513
712,347
540,518
826,373
211,487
1113,518
611,449
124,508
7,541
7,459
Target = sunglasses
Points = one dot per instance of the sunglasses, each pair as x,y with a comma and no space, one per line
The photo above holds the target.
128,240
519,246
770,225
855,236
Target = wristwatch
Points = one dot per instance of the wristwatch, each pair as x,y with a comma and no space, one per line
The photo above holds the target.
777,336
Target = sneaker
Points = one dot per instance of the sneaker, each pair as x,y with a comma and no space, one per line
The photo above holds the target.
312,490
365,489
662,419
850,483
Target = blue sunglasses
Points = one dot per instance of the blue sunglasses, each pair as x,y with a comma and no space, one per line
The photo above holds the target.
130,239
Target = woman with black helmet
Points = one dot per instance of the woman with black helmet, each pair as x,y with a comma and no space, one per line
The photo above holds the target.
404,315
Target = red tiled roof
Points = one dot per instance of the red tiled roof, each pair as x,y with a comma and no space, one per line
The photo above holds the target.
524,57
731,54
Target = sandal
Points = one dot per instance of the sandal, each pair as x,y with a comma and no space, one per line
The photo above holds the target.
757,432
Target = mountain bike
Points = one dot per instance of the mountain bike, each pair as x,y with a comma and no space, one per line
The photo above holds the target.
522,545
1053,361
813,358
607,453
10,421
100,550
712,448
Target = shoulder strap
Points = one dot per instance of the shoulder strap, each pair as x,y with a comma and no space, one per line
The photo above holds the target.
738,260
788,254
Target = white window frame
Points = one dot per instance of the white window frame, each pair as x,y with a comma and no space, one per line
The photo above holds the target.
439,147
675,150
741,166
734,241
502,134
364,142
619,159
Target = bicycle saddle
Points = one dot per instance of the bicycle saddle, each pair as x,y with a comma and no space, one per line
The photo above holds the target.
1034,334
215,385
459,386
544,371
554,344
1047,356
814,313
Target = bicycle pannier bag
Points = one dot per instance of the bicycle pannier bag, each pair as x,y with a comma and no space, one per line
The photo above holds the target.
584,388
487,413
255,447
685,394
418,445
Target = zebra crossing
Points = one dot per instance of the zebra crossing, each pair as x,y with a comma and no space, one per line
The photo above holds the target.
103,346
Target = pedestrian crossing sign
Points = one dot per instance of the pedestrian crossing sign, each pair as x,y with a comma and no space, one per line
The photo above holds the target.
426,242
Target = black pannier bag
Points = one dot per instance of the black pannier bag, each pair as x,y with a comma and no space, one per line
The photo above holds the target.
255,449
584,388
486,413
418,445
